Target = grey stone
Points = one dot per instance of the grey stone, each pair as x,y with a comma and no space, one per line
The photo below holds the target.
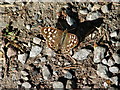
102,71
26,85
24,78
69,20
58,85
67,74
81,54
104,9
104,61
36,40
43,59
11,52
116,58
114,69
35,51
45,72
98,54
93,15
22,58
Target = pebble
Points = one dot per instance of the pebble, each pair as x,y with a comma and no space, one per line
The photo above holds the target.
81,54
58,85
116,58
98,54
49,52
11,52
114,34
104,9
36,40
26,85
95,7
24,73
45,72
114,69
84,12
24,78
104,61
69,20
110,62
105,85
43,59
102,71
114,80
67,74
28,26
22,58
68,85
35,51
93,15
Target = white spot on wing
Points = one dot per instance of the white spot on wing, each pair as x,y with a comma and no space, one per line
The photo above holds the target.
50,33
55,31
48,29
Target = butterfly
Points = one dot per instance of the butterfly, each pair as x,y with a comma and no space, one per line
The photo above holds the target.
58,40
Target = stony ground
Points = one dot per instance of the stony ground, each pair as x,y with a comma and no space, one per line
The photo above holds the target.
26,61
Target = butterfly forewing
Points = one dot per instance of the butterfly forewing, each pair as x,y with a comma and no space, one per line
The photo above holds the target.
70,42
52,36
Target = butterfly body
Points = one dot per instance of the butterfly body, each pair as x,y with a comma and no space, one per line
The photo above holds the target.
59,40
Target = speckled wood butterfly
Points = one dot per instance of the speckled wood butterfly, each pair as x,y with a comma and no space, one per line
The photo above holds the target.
59,40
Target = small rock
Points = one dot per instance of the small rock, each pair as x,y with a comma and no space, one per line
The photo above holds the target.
102,71
46,73
22,58
36,40
114,80
58,85
67,74
43,59
26,85
114,34
89,7
69,20
116,58
93,15
105,85
114,69
19,83
24,78
49,52
84,12
35,51
68,85
104,61
104,9
28,26
96,7
110,62
81,54
11,52
24,73
98,54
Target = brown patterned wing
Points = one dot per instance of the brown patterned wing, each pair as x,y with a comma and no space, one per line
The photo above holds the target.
53,37
69,43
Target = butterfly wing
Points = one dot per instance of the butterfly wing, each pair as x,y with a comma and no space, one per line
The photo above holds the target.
52,36
70,42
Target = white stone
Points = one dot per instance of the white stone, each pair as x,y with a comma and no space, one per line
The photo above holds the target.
67,74
22,58
104,9
116,58
24,73
26,85
28,27
114,69
98,54
84,12
102,71
58,85
45,72
36,40
105,85
69,20
43,59
113,34
114,80
104,61
110,62
93,15
81,54
24,78
35,51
